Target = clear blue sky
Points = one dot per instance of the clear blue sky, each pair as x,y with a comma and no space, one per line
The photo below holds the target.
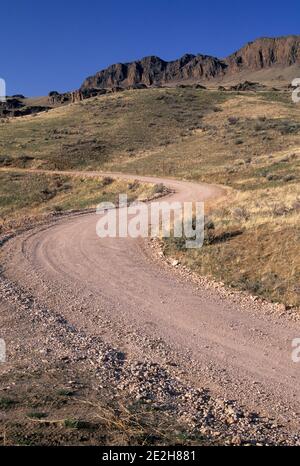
54,45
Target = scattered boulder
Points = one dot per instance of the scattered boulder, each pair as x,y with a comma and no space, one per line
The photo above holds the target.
115,89
175,263
87,93
199,86
13,103
15,107
76,96
55,98
247,86
137,86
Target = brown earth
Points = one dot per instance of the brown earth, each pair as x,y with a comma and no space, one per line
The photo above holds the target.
238,347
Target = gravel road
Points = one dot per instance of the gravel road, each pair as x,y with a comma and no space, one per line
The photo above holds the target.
122,291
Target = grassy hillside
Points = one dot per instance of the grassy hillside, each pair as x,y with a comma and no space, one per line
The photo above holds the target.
97,131
248,141
25,196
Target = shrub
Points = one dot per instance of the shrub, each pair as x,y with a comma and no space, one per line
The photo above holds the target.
209,224
107,180
272,177
5,160
296,205
75,424
288,178
6,403
241,213
233,120
57,208
133,186
158,188
279,210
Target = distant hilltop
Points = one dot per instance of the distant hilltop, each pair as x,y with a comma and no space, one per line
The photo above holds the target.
270,61
261,54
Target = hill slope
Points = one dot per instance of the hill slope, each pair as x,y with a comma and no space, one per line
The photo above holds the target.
248,141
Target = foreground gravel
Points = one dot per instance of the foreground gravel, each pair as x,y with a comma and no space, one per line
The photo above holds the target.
147,381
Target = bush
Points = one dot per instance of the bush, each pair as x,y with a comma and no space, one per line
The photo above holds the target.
272,177
158,188
107,180
6,403
241,213
280,210
57,208
5,160
233,120
296,205
75,424
288,178
133,186
209,224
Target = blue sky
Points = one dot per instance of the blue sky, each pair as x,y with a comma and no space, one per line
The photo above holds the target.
54,45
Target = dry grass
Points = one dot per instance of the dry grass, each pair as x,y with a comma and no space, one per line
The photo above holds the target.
252,243
42,410
249,142
95,132
27,196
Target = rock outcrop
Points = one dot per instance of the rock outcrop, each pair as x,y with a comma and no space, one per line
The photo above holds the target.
15,106
153,71
265,53
55,98
247,86
76,96
187,71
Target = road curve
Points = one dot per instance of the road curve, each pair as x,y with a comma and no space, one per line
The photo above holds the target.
235,348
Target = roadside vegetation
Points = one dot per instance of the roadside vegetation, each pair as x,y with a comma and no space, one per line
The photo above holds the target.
249,142
26,197
54,407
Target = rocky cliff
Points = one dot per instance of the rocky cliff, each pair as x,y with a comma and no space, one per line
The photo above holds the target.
154,71
261,54
265,53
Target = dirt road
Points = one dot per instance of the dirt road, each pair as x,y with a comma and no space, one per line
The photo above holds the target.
238,348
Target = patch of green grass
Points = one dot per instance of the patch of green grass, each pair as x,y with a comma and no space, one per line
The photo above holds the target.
278,97
76,424
6,403
65,392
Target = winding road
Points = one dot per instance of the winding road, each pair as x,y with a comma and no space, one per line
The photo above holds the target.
237,347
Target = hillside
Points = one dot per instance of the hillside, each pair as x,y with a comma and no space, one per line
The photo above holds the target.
248,141
273,62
